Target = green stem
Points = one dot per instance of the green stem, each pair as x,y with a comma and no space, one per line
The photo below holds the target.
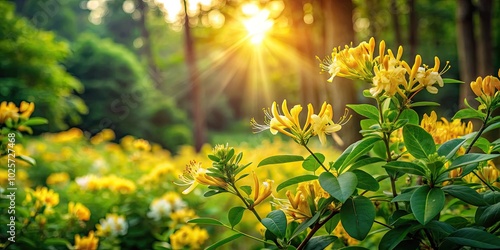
478,134
321,163
431,240
383,224
247,235
316,227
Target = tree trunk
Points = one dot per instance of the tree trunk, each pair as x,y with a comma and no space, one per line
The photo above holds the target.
485,53
196,102
466,48
153,70
395,23
339,31
413,29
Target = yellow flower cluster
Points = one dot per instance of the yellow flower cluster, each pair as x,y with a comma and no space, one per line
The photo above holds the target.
298,206
444,130
112,182
78,211
164,206
195,174
72,134
9,110
188,236
113,225
289,124
104,136
486,89
388,74
89,242
42,197
157,175
57,178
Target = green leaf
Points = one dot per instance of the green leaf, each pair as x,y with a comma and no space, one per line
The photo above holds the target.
360,148
489,216
205,221
470,158
366,110
332,223
451,80
34,121
320,242
234,215
418,142
276,223
27,159
393,237
465,194
357,215
426,203
57,242
450,148
311,164
246,189
278,159
410,115
304,225
223,241
473,237
295,180
366,180
340,188
469,113
406,167
368,162
213,158
424,104
492,126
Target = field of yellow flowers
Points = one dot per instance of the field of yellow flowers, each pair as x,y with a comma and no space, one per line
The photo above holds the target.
88,193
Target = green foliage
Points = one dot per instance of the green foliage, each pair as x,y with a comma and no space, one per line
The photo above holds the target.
31,70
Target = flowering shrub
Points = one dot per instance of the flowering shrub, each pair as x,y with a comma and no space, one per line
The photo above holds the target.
449,197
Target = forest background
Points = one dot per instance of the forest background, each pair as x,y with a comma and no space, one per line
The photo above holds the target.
178,75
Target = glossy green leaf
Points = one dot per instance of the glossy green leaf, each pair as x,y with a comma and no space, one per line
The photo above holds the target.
311,164
304,225
206,221
340,188
295,180
224,241
366,110
234,215
368,162
406,167
426,203
366,181
465,194
320,242
450,148
279,159
246,189
471,158
276,223
361,148
34,121
357,215
393,237
424,104
451,80
57,242
418,142
27,159
473,237
332,223
489,215
410,115
469,114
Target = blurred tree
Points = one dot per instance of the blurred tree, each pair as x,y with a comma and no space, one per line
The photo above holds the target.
466,47
30,70
120,95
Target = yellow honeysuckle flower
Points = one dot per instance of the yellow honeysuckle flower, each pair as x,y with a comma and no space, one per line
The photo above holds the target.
45,197
79,211
426,77
261,194
323,125
8,110
188,236
486,89
444,130
194,174
26,109
89,242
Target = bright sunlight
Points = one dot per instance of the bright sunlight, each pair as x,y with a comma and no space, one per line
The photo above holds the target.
258,23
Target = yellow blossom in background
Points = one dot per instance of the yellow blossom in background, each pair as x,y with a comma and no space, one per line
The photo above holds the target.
72,134
443,130
160,173
340,232
26,109
103,136
8,110
113,183
42,197
188,236
490,174
113,225
78,211
194,174
57,178
142,145
89,242
163,207
182,216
